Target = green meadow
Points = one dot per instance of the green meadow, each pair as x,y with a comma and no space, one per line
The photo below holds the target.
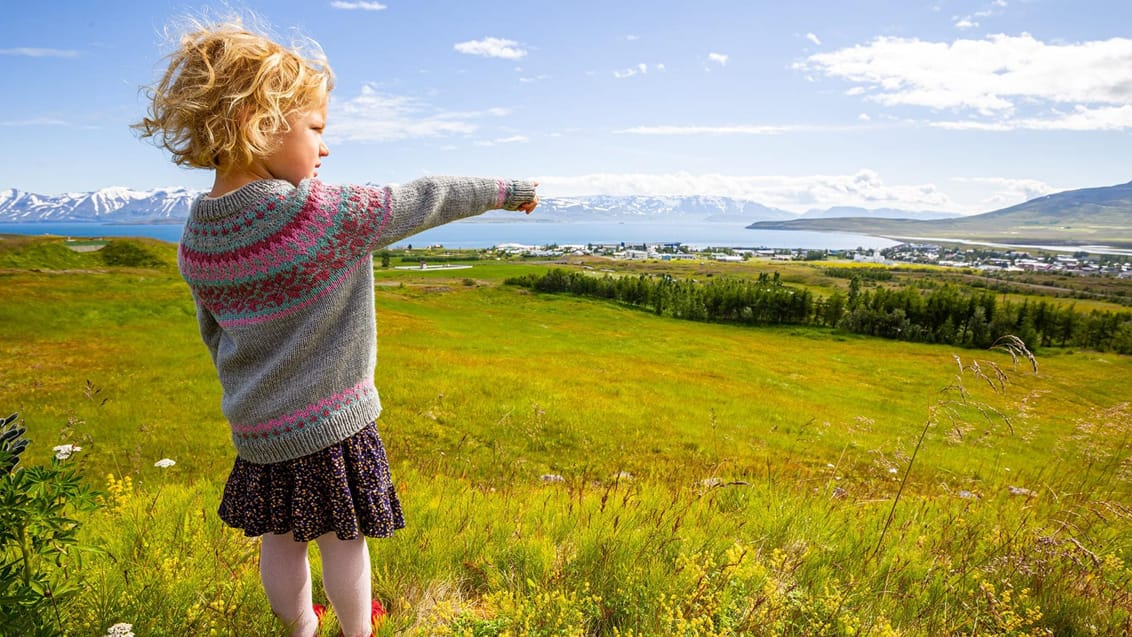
575,467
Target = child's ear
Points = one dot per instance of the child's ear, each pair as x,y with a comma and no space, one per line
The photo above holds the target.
243,114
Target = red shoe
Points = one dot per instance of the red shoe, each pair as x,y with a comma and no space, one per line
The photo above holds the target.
377,612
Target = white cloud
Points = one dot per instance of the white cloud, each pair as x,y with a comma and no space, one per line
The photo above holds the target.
364,6
492,48
640,69
33,52
864,188
1007,191
995,8
35,121
740,129
718,58
813,38
632,38
864,117
1082,118
514,139
371,116
705,130
1002,77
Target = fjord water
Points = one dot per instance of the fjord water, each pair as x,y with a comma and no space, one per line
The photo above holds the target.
485,234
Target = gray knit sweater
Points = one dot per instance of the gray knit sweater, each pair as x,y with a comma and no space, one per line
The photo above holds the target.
282,277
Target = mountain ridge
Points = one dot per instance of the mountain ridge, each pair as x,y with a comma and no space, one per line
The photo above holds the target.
1085,216
124,205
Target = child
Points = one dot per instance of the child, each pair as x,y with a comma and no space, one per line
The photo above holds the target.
280,267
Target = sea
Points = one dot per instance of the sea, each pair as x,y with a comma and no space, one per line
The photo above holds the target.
488,234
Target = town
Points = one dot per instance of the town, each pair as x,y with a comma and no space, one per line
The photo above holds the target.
985,258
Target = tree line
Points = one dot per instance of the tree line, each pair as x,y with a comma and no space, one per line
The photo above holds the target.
945,314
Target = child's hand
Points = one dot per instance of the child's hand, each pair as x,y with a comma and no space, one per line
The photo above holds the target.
530,206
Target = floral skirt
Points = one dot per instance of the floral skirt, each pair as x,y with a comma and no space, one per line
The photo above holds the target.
345,488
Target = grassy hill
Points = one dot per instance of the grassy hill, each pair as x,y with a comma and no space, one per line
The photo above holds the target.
1091,216
708,479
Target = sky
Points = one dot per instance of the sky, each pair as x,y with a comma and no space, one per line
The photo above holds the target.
949,105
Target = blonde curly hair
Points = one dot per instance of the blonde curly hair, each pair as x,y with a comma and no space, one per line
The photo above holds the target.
228,94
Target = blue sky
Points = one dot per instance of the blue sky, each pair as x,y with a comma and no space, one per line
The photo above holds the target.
960,105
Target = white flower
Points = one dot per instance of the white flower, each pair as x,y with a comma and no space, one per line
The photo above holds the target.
120,630
892,469
165,463
62,452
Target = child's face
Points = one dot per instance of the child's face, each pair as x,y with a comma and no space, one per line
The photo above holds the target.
301,149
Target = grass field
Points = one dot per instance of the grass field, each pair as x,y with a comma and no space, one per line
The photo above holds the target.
715,480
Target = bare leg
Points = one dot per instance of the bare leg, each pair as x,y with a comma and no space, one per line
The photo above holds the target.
346,578
286,574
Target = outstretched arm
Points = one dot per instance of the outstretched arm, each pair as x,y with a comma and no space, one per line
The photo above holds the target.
403,210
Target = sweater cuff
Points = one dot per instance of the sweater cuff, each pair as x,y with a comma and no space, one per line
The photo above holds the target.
519,192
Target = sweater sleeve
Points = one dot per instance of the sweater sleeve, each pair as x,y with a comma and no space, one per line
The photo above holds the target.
395,212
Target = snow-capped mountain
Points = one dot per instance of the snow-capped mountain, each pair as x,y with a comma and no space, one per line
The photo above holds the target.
113,205
123,205
646,208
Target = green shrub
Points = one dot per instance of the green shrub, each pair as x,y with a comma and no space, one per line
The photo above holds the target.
129,254
38,536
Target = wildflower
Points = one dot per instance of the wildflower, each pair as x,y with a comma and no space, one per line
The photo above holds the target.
892,469
165,463
551,477
120,630
62,452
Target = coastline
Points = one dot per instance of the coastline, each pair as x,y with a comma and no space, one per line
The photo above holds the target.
1116,248
486,233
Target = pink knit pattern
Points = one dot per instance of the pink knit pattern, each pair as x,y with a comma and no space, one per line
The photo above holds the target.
282,272
307,416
